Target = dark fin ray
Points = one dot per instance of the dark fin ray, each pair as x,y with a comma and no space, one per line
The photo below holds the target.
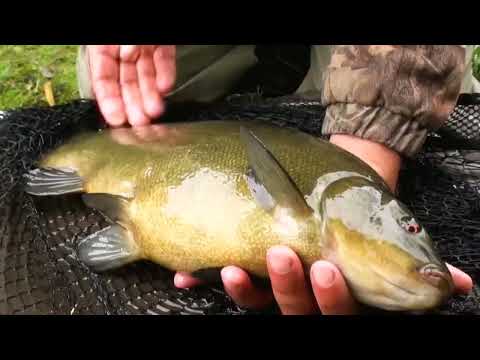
108,249
113,207
272,176
50,181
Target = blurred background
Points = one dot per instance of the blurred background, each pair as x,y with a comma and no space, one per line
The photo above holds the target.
37,75
45,74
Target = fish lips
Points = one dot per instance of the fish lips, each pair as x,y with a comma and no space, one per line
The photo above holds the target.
430,289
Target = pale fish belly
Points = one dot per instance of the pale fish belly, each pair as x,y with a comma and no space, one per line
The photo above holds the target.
202,222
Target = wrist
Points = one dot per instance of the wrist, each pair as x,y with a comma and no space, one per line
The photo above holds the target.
380,158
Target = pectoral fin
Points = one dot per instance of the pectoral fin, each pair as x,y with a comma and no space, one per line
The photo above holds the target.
113,207
268,181
114,246
108,249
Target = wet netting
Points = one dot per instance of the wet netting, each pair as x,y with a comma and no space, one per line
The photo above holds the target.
39,269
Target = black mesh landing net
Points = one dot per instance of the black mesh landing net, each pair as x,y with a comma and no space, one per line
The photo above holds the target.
39,270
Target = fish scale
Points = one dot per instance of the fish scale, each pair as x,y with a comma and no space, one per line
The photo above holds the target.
174,164
57,122
193,197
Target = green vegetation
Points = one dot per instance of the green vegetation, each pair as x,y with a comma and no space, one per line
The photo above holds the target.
476,63
25,69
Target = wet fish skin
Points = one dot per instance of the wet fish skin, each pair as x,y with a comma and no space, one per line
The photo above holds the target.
182,196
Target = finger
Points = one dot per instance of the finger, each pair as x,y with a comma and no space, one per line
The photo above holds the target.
289,286
131,95
124,136
165,66
150,133
130,53
184,280
152,102
241,289
105,73
330,289
463,282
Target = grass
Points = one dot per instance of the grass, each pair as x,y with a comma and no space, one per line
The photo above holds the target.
24,70
476,63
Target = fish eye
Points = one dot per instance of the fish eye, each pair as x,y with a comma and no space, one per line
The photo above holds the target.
410,225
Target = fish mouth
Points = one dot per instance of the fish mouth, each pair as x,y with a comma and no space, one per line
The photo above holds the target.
398,287
400,298
436,276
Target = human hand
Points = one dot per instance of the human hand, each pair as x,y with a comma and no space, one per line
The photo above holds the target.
290,288
323,290
384,161
130,82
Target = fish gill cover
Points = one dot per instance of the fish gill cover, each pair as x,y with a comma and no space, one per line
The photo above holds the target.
41,274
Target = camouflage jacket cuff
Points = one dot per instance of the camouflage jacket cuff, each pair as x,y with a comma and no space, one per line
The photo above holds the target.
395,93
377,124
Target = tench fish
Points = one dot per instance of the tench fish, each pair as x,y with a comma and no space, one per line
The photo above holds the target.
203,195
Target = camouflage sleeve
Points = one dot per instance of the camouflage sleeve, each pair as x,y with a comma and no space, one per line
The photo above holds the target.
391,94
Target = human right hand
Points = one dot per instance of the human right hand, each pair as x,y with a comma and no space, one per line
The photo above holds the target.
323,290
130,82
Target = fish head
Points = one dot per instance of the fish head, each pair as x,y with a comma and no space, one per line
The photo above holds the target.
386,256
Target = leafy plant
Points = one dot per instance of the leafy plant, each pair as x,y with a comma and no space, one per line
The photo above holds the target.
476,63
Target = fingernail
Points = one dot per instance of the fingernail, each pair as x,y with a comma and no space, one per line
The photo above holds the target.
179,280
230,275
165,83
113,112
139,119
323,274
280,262
154,108
128,51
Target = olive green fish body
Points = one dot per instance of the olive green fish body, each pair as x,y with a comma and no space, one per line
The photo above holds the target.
194,196
190,207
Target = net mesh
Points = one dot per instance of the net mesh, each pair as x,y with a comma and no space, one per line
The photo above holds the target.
39,270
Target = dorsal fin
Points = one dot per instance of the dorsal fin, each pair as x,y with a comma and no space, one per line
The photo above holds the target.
266,174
